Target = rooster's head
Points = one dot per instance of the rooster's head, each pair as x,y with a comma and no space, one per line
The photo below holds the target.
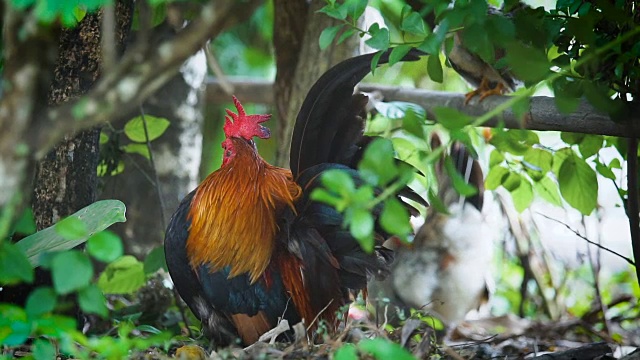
242,126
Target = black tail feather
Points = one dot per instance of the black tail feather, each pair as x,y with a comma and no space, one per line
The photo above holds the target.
325,120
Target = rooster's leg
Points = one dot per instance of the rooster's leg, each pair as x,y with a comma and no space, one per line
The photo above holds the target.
484,90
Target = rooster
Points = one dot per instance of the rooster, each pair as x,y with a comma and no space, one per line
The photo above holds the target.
446,267
248,246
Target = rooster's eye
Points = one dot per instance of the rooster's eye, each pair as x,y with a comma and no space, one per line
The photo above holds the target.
227,153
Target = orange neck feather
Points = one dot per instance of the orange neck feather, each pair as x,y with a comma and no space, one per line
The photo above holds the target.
234,213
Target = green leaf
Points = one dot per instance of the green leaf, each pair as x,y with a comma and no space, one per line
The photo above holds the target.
413,123
578,184
528,63
15,329
336,12
43,349
347,351
572,138
338,181
398,53
383,349
105,246
71,228
14,265
436,203
134,128
558,159
123,276
451,119
590,145
522,196
512,181
414,24
459,183
327,36
92,301
495,158
434,68
155,260
96,217
355,8
135,148
495,177
327,197
548,190
541,159
394,218
361,228
41,301
398,109
605,171
70,270
26,223
377,166
379,37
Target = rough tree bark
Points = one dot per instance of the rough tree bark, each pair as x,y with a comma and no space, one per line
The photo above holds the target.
299,61
66,178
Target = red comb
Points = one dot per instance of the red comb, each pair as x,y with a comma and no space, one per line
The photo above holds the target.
243,125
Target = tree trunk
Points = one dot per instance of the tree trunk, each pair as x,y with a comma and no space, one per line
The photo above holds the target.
66,179
299,61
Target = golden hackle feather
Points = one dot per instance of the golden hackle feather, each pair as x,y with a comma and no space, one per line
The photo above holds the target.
234,213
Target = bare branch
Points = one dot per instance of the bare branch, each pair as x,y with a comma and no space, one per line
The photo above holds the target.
541,116
589,241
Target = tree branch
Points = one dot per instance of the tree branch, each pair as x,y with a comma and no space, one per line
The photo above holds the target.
541,116
133,80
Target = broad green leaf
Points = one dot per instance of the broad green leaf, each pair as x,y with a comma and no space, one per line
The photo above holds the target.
512,181
558,159
14,265
572,138
548,190
459,183
135,128
541,160
383,349
71,228
590,145
615,164
605,171
123,276
105,246
414,24
15,329
70,270
495,158
398,109
566,104
436,203
361,228
26,223
451,119
578,184
97,217
155,260
412,123
41,301
395,218
338,181
377,166
379,37
522,196
347,351
398,53
327,197
355,8
528,63
92,301
136,148
495,177
43,349
327,36
336,12
55,326
434,68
